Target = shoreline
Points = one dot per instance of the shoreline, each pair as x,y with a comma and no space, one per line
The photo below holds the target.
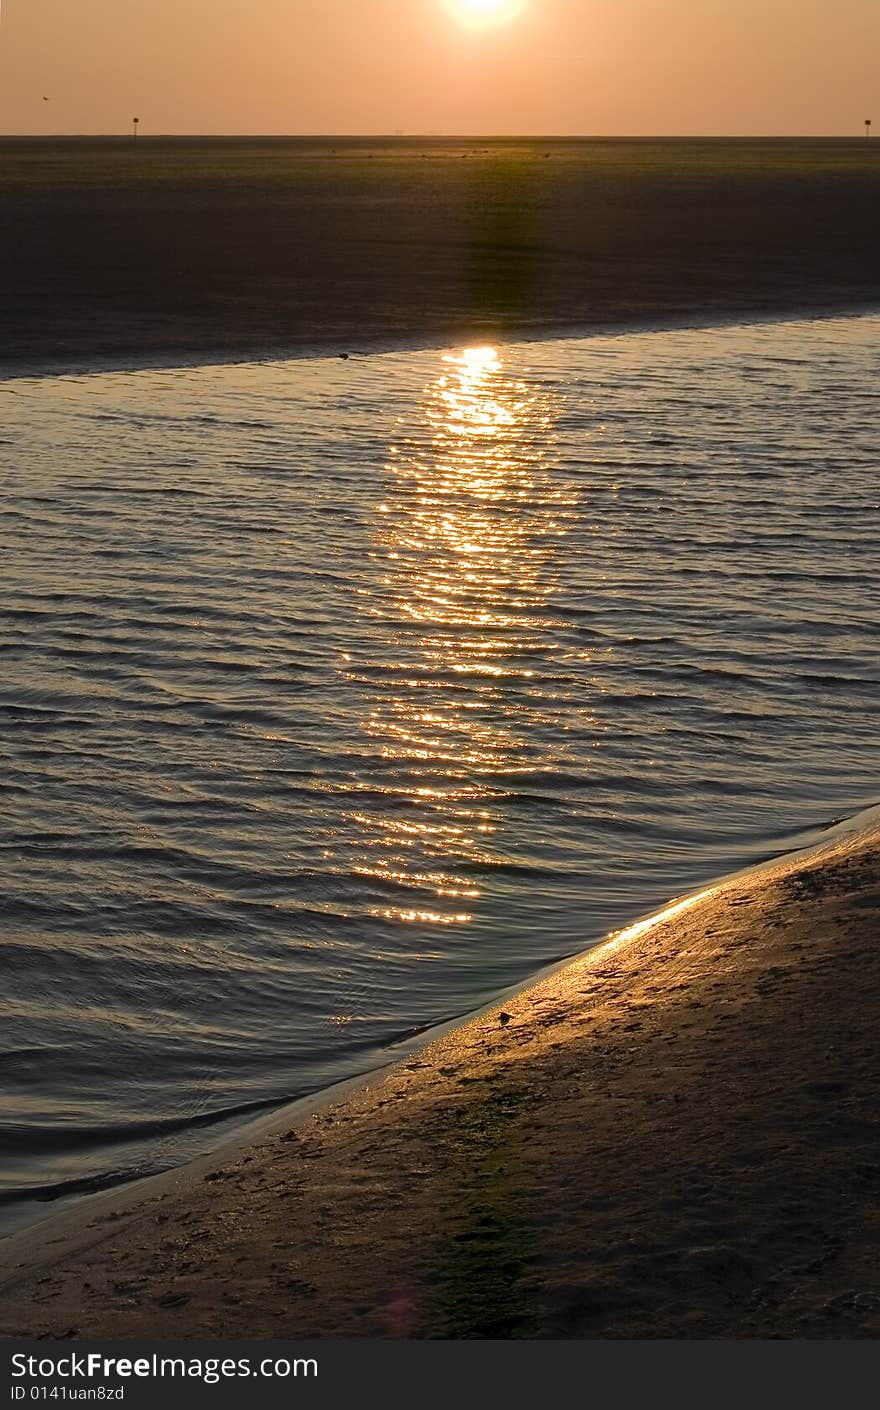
180,360
74,1211
253,1177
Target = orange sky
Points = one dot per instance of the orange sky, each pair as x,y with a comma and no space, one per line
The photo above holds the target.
379,66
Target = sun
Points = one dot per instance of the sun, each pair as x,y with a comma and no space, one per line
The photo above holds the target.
485,12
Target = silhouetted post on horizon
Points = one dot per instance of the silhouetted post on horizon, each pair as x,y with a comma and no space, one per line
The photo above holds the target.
867,128
135,122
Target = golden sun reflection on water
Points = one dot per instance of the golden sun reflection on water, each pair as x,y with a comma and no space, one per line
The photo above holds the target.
463,545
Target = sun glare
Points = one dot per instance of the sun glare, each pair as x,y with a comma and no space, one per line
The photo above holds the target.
486,12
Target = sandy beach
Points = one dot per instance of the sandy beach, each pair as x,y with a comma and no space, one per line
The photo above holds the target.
674,1136
116,255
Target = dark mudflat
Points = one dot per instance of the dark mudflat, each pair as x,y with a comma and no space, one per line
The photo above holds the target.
116,253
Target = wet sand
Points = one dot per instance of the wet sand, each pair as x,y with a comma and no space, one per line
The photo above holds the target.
115,255
676,1136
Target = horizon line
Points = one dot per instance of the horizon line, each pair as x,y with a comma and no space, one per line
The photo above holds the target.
125,134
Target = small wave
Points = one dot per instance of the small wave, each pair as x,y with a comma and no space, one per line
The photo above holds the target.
61,1139
48,1192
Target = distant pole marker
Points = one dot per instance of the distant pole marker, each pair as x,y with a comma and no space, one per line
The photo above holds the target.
867,128
135,122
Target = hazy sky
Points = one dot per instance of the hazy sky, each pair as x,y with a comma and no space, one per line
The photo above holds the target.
377,66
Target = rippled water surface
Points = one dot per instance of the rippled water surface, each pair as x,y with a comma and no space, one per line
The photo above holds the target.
340,694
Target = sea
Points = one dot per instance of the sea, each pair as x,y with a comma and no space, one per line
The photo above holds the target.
340,694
